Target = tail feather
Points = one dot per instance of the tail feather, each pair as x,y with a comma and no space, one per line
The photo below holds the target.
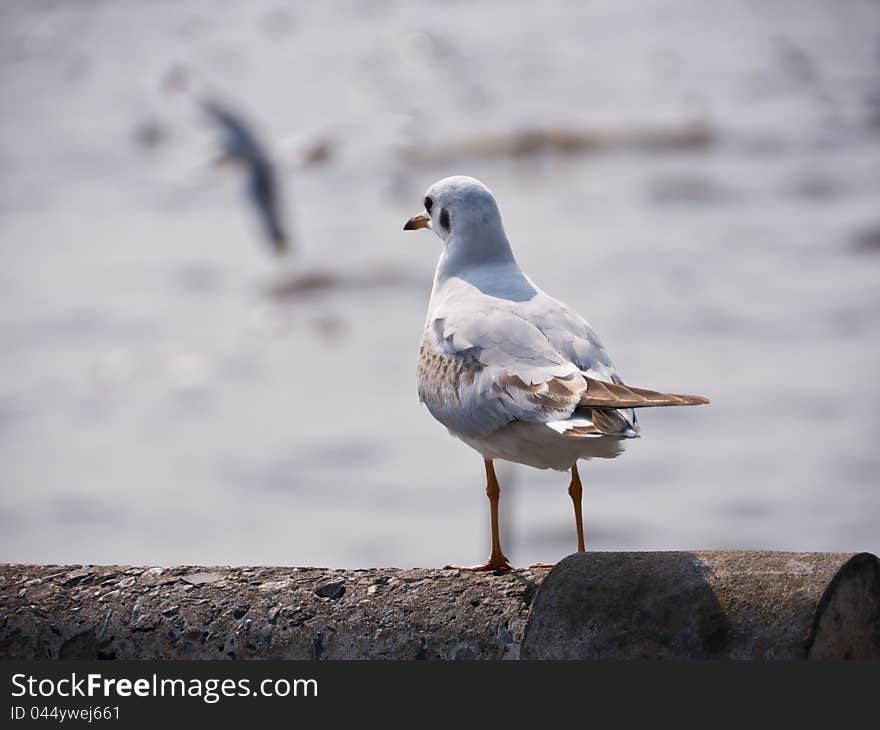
618,395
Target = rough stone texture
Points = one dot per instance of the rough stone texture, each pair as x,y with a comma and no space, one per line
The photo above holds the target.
707,605
121,612
700,605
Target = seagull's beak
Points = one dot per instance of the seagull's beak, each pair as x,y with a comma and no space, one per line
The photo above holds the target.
419,220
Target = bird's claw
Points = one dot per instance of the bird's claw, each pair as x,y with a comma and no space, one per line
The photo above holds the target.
495,562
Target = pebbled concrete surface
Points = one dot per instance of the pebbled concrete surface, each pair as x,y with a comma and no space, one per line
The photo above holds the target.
122,612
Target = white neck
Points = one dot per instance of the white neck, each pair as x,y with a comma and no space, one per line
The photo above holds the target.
472,247
485,262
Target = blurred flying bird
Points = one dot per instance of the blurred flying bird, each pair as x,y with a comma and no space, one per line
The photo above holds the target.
240,145
512,372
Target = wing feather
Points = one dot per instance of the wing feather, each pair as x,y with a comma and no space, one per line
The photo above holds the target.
618,395
484,363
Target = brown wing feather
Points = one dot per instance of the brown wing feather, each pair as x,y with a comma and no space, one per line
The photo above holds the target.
618,395
606,422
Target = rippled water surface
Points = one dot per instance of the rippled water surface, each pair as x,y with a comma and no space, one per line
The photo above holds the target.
159,405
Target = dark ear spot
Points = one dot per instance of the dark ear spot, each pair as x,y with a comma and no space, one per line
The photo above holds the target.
444,219
429,204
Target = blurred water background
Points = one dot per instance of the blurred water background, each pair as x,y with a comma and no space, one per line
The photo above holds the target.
700,180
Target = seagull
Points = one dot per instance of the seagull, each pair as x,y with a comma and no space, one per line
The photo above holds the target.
514,373
240,144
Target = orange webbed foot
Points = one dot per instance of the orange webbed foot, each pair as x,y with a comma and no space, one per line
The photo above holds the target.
495,562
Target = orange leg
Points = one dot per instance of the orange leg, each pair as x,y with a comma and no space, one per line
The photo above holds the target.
576,492
496,560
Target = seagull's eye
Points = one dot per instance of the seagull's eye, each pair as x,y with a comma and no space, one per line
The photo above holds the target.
444,219
429,204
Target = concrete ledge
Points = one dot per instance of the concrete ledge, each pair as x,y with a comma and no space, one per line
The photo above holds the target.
121,612
595,605
708,605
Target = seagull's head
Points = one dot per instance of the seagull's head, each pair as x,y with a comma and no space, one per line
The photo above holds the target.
457,206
